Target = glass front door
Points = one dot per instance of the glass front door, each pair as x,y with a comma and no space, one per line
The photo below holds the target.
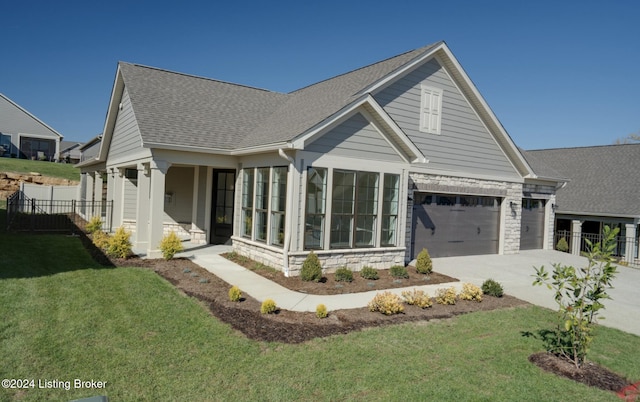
222,206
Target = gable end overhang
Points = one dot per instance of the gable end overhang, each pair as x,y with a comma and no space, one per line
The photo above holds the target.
26,112
377,117
112,113
445,57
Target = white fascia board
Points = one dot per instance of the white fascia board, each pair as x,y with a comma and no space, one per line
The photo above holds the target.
596,214
263,148
187,148
112,112
481,103
349,111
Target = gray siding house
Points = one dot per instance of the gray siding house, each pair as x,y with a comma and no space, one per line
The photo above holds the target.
365,168
25,136
603,189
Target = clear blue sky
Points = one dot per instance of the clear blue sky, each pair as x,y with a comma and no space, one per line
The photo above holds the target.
556,73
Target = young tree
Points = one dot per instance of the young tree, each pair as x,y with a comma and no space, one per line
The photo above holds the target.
579,293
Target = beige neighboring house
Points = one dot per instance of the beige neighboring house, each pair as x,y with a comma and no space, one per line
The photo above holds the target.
365,168
23,135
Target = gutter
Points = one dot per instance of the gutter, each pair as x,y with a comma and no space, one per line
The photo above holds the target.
288,217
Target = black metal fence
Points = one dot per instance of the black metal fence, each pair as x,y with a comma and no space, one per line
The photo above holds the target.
30,214
623,245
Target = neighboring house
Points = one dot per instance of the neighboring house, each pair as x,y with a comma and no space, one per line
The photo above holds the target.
70,151
25,136
603,189
365,168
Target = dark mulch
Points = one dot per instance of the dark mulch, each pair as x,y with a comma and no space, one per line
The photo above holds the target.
589,373
296,327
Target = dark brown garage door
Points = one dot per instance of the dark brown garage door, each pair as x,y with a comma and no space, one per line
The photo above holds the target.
532,226
452,225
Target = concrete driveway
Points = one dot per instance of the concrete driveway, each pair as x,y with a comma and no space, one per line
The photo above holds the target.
515,273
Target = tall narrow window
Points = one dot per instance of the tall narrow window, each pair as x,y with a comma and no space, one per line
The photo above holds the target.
278,204
366,209
430,109
390,210
315,213
247,201
262,203
342,208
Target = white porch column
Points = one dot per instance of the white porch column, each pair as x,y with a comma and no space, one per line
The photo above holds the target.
118,196
97,194
142,207
630,243
576,236
89,189
156,207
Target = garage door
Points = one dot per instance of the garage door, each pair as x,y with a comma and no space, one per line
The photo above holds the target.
532,227
452,225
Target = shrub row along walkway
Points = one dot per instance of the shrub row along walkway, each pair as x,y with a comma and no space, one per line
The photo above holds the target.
514,272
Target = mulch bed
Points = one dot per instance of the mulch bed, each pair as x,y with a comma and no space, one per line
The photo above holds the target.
296,327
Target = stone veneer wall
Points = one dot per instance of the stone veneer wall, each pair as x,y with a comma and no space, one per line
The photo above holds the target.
167,227
354,259
511,192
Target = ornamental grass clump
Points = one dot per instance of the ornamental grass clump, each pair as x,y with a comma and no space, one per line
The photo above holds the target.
446,296
311,269
321,311
119,244
268,307
170,245
100,239
343,274
369,273
492,288
562,245
417,297
235,294
94,224
386,303
399,271
470,292
424,265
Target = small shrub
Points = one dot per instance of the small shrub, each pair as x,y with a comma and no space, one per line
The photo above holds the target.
94,224
268,307
492,288
100,239
398,271
417,297
446,296
424,265
562,245
343,274
119,244
321,311
311,269
470,292
235,294
387,303
369,273
170,245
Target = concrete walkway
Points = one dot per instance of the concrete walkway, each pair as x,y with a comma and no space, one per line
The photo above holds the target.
514,272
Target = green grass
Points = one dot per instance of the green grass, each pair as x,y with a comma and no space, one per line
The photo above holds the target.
63,317
60,170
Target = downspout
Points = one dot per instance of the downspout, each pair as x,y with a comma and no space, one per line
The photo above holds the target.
289,213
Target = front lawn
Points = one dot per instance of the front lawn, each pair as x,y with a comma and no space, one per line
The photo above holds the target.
66,318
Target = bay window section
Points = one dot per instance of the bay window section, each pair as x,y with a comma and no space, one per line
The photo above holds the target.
261,203
388,236
366,209
342,208
315,208
248,177
278,204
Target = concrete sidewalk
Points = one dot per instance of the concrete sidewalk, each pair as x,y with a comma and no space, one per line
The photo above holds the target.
514,272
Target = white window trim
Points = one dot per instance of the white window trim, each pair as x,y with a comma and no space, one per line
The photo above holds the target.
428,110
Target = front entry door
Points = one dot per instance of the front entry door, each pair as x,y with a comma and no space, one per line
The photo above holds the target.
222,206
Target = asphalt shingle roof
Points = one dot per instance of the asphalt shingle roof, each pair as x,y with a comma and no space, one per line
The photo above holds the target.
174,108
603,179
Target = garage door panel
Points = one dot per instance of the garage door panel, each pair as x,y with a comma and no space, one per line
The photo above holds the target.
452,230
532,224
